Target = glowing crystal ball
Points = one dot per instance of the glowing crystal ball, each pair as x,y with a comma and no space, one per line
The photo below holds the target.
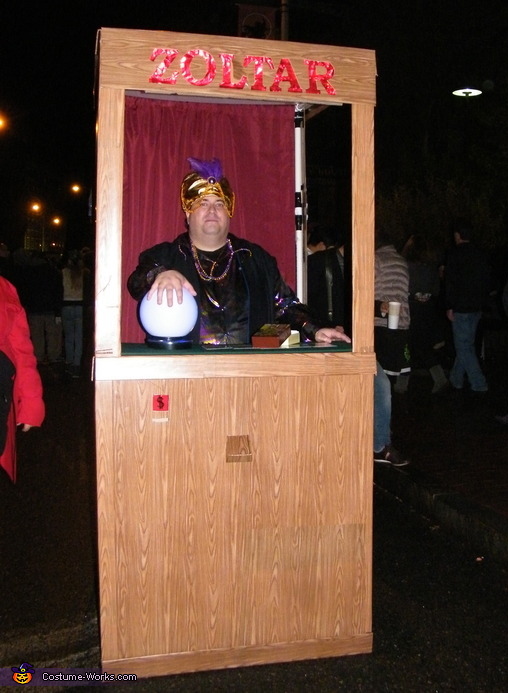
161,320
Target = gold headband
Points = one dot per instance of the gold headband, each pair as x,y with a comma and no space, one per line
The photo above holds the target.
198,183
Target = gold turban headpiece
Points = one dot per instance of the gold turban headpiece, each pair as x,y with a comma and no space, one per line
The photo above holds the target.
206,178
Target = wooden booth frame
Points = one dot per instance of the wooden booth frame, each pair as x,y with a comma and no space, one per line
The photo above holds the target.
240,533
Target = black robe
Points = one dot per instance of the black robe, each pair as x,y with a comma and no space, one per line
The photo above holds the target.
269,298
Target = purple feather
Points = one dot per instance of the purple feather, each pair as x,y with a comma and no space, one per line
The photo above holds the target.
206,169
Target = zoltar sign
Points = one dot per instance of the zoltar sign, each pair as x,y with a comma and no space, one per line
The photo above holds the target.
199,65
318,72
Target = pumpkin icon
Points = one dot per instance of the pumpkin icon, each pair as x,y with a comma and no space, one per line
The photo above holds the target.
23,674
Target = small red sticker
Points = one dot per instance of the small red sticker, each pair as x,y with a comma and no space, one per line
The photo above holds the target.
160,403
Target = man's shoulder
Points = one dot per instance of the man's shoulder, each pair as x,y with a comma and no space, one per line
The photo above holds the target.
390,256
165,247
386,252
255,249
240,241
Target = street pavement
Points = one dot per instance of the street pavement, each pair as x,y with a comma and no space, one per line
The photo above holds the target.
440,589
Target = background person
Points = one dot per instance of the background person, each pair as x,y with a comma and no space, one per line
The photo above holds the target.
425,325
329,283
391,283
73,280
39,286
467,279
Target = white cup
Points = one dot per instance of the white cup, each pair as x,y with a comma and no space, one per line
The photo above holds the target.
393,315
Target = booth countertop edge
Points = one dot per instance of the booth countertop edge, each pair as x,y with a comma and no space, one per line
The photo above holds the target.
231,364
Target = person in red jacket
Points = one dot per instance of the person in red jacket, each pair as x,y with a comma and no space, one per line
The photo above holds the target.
21,402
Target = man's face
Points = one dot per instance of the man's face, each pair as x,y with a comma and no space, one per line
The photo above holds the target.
208,222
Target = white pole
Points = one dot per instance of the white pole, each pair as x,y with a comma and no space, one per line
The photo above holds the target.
300,181
300,205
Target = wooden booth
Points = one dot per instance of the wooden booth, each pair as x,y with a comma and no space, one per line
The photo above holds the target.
234,487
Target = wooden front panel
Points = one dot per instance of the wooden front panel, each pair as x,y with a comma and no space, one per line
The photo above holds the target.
201,554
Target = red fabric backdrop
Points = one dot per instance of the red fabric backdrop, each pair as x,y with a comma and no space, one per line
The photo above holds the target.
256,146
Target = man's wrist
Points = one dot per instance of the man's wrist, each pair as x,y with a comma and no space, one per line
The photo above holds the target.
153,273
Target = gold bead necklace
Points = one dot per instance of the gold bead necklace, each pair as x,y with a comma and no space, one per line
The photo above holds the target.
199,268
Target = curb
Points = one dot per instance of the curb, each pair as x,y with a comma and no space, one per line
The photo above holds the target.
485,530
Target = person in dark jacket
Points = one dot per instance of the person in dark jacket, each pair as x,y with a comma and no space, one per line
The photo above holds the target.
467,277
329,285
237,284
425,319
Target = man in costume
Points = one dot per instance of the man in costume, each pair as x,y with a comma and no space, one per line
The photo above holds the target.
237,284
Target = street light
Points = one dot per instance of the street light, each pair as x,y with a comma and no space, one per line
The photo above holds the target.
56,240
82,232
467,92
35,237
69,198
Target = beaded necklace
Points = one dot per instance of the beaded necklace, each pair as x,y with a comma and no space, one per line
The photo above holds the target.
209,277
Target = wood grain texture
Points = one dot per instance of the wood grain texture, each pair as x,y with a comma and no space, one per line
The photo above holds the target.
238,449
125,63
197,554
363,227
160,665
108,284
244,365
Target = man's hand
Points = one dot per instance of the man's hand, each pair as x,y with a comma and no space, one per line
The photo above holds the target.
332,334
449,314
166,282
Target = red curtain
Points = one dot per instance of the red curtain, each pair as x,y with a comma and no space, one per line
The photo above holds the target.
255,143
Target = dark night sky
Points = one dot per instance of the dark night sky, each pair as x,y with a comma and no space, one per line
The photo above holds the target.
423,48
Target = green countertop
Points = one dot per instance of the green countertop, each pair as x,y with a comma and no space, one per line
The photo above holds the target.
131,349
